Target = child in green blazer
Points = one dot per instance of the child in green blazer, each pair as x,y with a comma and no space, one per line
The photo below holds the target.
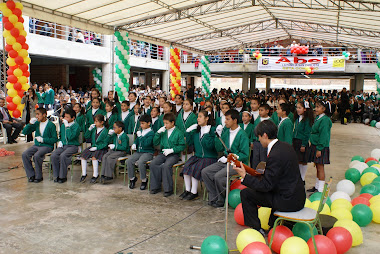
133,122
285,127
247,126
40,96
125,114
154,114
95,94
172,143
111,114
167,108
147,106
91,113
48,97
186,117
99,146
45,138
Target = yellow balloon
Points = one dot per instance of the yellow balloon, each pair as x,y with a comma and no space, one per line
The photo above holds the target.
22,79
375,208
12,92
23,33
294,245
341,203
9,85
10,40
27,60
3,6
17,46
341,214
307,203
353,228
367,178
13,19
248,236
16,100
20,107
19,5
326,209
374,199
19,26
7,12
25,86
6,34
17,72
264,213
376,166
11,61
23,52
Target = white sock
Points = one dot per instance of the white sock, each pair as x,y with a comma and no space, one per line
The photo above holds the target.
183,158
321,185
83,162
303,169
187,180
95,166
194,185
316,183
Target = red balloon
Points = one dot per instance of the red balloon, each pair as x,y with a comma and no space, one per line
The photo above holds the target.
26,74
16,113
21,19
360,200
9,99
366,196
11,5
9,72
25,46
236,184
17,86
24,67
15,32
324,245
19,60
370,159
238,214
11,106
312,72
5,19
256,248
12,79
341,238
282,233
8,26
8,47
20,93
21,39
13,53
17,12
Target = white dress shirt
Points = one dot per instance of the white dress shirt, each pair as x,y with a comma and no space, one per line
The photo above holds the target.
255,114
144,132
43,126
264,118
124,115
186,115
233,134
170,131
274,141
154,120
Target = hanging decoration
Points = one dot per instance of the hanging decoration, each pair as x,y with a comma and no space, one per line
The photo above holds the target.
257,54
377,77
98,77
122,66
175,72
309,70
346,55
299,50
18,57
206,74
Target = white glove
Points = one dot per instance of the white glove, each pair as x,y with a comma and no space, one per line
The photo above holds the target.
223,159
207,129
92,149
133,147
111,146
65,122
138,133
111,132
40,139
219,129
162,129
33,120
192,127
60,145
166,152
92,126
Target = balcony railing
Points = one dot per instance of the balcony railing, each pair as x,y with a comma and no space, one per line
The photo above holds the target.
147,50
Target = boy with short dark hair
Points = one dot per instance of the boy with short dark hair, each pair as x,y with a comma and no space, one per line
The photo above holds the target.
285,127
147,107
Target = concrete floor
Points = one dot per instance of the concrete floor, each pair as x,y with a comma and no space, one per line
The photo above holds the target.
83,218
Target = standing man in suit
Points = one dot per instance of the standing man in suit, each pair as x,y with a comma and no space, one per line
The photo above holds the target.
9,123
280,188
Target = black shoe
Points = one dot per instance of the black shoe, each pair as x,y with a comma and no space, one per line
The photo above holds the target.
184,194
155,191
312,189
191,196
31,179
217,204
62,180
132,183
168,194
10,141
56,180
83,179
144,185
14,141
38,180
211,203
107,178
94,179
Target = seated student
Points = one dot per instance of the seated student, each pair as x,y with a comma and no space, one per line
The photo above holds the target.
214,176
80,116
154,114
9,123
280,188
45,138
186,117
67,146
132,97
119,146
255,104
172,143
92,112
285,127
111,114
95,94
167,108
125,114
202,136
143,146
98,135
247,126
147,106
222,118
134,123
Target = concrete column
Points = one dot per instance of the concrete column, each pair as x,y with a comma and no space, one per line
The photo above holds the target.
148,79
245,82
359,82
352,84
252,82
106,78
267,84
165,81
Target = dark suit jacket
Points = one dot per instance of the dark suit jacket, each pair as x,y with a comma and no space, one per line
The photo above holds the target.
7,112
281,178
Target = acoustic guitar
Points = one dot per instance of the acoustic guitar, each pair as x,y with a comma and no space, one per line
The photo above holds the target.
260,169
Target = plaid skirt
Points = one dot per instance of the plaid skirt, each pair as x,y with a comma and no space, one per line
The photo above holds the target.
193,166
302,156
98,154
325,156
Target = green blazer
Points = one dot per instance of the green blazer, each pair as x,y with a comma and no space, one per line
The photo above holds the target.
204,146
157,125
126,120
176,141
147,112
102,106
70,135
257,121
249,130
320,132
90,117
110,121
81,120
276,119
48,96
240,145
49,135
101,142
145,144
184,124
121,143
40,97
133,126
302,130
285,131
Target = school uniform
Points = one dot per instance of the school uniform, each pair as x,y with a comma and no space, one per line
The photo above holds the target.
146,110
90,116
48,98
214,176
285,130
185,119
161,166
320,140
276,119
259,153
301,135
89,106
178,109
81,121
156,125
249,130
124,117
61,157
99,139
111,119
133,124
41,101
121,142
255,114
48,132
144,153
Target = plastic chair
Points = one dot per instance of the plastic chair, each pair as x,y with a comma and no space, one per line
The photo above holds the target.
4,133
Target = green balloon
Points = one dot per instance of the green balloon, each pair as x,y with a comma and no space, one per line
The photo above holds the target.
373,123
302,230
352,174
376,180
357,158
122,98
371,189
123,43
121,57
118,71
370,163
371,169
317,197
124,80
214,245
234,198
376,184
125,62
362,215
117,33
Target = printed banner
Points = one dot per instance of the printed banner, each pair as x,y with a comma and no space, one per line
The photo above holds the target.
298,63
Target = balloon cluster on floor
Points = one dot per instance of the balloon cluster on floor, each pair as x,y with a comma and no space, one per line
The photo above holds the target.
206,75
18,57
122,66
98,77
175,72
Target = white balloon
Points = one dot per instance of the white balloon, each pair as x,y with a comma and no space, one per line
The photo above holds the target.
127,57
375,153
125,94
360,166
352,164
378,125
366,121
346,186
340,194
123,89
127,75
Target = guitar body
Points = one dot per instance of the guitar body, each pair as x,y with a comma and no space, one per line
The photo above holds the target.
260,169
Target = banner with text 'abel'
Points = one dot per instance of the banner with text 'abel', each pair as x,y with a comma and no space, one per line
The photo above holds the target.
298,63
